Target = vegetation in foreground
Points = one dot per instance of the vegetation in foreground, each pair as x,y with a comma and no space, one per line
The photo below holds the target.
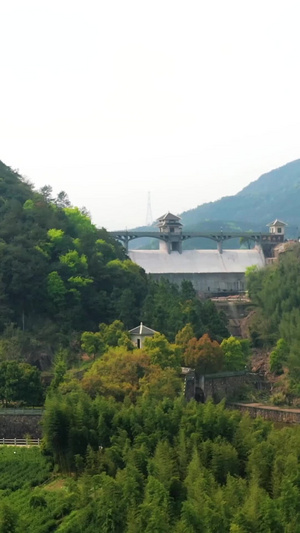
163,466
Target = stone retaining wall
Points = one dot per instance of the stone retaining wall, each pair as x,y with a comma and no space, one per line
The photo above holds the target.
224,385
275,414
17,426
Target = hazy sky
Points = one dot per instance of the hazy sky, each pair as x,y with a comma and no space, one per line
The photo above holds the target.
108,100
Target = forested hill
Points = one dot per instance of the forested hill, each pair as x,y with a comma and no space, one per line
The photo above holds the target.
60,276
58,272
275,194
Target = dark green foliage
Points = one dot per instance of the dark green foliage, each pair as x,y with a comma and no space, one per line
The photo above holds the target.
278,356
168,308
275,291
8,519
58,270
171,466
20,383
161,352
162,466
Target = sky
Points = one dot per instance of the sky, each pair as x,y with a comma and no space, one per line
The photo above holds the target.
111,100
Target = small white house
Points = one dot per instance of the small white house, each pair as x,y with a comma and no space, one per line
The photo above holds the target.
277,227
139,334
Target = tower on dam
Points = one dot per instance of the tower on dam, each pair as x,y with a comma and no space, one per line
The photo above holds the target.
171,227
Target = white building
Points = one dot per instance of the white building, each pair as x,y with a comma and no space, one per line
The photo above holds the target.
139,334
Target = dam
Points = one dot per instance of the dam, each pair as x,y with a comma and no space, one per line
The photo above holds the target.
212,272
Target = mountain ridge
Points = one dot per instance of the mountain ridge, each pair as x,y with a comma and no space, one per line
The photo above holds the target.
275,194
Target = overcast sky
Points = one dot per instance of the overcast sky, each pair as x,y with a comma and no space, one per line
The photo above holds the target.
107,100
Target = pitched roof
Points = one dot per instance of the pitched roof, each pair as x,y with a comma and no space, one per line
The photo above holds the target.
142,330
277,223
168,216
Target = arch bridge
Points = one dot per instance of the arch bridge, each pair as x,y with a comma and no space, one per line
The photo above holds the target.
174,241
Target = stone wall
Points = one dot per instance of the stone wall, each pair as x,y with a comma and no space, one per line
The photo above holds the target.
17,426
228,384
275,414
189,389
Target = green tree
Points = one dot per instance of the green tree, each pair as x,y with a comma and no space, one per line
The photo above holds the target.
8,519
184,336
60,368
161,352
93,343
29,388
234,358
278,356
56,289
205,355
111,334
154,511
10,376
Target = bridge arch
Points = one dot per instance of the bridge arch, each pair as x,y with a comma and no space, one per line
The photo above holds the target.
219,237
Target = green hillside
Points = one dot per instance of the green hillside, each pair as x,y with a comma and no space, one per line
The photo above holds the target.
275,194
59,274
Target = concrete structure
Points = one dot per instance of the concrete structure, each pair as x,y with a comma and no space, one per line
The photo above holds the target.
209,271
170,227
139,334
212,272
218,386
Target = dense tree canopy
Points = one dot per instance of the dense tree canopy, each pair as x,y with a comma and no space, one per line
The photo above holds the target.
164,465
20,383
168,308
275,292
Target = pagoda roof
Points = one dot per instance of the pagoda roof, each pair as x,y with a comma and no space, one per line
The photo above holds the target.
168,216
277,223
142,330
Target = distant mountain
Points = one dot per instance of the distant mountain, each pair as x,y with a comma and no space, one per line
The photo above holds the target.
275,194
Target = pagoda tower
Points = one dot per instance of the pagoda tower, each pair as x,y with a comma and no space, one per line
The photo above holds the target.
171,228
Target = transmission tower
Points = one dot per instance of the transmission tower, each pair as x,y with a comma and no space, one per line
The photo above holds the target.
149,219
